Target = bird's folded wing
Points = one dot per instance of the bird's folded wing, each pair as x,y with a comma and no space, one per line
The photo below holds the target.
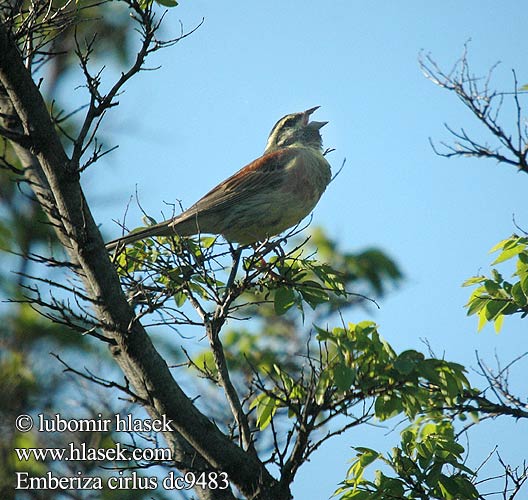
263,174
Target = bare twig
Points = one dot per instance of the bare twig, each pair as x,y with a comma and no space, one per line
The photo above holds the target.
485,104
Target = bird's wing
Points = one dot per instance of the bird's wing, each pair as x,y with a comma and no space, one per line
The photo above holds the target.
264,173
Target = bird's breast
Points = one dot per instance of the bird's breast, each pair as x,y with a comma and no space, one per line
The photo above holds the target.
307,176
302,181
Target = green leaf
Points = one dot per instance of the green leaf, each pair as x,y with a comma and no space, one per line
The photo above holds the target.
448,487
494,308
412,405
364,449
499,245
482,319
367,456
428,370
496,276
180,299
344,376
322,334
462,467
353,494
387,406
474,280
325,380
408,440
284,300
497,324
313,293
433,475
266,408
524,285
407,361
492,287
475,304
508,254
452,387
208,241
466,488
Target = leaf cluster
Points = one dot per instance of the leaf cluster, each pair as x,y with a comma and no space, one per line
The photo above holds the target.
427,464
357,366
495,298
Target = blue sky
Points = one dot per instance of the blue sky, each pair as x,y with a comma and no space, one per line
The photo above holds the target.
208,110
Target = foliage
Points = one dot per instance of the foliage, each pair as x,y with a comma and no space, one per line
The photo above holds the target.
358,366
494,298
278,288
428,464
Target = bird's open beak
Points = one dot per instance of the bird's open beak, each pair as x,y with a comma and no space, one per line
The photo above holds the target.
317,125
307,114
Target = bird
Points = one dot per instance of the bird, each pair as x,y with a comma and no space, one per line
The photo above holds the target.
269,195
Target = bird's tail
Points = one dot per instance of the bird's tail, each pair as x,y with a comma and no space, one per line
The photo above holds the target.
161,229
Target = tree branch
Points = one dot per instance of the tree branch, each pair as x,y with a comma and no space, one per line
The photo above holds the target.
485,105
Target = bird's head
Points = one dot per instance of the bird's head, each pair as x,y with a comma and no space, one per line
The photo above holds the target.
295,130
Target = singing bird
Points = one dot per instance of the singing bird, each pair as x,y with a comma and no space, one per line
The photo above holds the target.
266,197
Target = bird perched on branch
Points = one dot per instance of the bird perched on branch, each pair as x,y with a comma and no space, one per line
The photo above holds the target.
266,197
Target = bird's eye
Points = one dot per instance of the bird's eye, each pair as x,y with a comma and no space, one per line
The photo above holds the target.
291,120
284,128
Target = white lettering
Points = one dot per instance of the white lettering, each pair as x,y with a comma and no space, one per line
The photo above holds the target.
59,424
51,482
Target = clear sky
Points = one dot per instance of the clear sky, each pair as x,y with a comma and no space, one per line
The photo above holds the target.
208,110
